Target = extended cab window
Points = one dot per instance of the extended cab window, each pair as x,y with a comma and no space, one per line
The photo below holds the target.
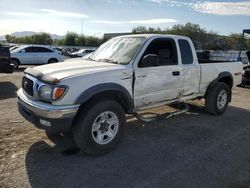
165,51
186,52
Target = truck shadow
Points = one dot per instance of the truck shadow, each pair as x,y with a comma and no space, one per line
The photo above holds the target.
7,90
20,69
190,146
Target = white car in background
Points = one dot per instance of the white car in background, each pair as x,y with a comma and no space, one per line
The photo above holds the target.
87,55
34,55
81,53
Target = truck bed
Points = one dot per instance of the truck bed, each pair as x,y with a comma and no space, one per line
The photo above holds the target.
210,71
204,61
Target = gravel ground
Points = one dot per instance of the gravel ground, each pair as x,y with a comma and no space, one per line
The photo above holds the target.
191,150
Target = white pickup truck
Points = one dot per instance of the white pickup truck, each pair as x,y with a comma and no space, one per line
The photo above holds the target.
88,99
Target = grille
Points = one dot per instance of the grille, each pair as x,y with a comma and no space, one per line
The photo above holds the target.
27,85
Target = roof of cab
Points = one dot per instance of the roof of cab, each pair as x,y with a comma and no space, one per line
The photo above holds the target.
154,35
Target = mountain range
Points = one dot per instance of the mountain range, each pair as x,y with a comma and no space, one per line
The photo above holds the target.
29,33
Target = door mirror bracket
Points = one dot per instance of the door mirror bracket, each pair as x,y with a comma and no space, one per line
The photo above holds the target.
150,60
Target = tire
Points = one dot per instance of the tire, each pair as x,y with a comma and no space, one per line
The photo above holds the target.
53,60
15,62
217,98
93,131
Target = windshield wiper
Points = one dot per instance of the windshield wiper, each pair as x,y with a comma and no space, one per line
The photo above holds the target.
108,60
89,58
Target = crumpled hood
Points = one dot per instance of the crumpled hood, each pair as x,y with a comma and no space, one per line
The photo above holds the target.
75,67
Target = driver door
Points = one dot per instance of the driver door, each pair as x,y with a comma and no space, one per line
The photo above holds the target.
160,83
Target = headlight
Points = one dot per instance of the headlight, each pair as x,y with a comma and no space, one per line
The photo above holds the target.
49,93
243,73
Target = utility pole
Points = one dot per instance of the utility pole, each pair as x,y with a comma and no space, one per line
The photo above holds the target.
81,25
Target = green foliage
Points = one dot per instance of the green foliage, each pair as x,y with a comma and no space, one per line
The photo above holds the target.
201,38
42,38
93,41
81,40
248,43
70,39
73,39
140,29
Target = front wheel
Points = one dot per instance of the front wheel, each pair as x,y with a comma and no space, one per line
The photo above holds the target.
15,63
217,98
99,127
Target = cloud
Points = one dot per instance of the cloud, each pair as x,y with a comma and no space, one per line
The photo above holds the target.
20,13
223,8
13,25
105,22
63,14
47,12
149,21
153,21
211,7
176,3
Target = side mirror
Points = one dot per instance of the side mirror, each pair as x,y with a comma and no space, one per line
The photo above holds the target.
22,51
150,60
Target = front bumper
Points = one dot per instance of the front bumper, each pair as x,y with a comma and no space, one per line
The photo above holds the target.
51,118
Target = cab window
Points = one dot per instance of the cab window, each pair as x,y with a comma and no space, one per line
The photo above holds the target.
186,52
164,50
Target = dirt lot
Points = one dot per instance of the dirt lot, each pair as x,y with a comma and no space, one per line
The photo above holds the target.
192,150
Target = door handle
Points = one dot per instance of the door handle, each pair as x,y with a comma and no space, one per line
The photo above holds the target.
176,73
142,76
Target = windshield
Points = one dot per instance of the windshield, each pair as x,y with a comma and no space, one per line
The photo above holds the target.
13,48
119,50
17,49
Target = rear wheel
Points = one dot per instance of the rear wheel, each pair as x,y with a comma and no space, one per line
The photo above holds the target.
53,60
217,98
15,62
99,129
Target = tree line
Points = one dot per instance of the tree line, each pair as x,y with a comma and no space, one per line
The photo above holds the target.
202,38
70,39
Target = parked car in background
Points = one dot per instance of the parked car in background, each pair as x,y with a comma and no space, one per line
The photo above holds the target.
67,51
14,47
81,53
59,50
5,65
246,76
87,55
34,55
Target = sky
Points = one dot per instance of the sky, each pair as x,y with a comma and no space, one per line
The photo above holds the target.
95,17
